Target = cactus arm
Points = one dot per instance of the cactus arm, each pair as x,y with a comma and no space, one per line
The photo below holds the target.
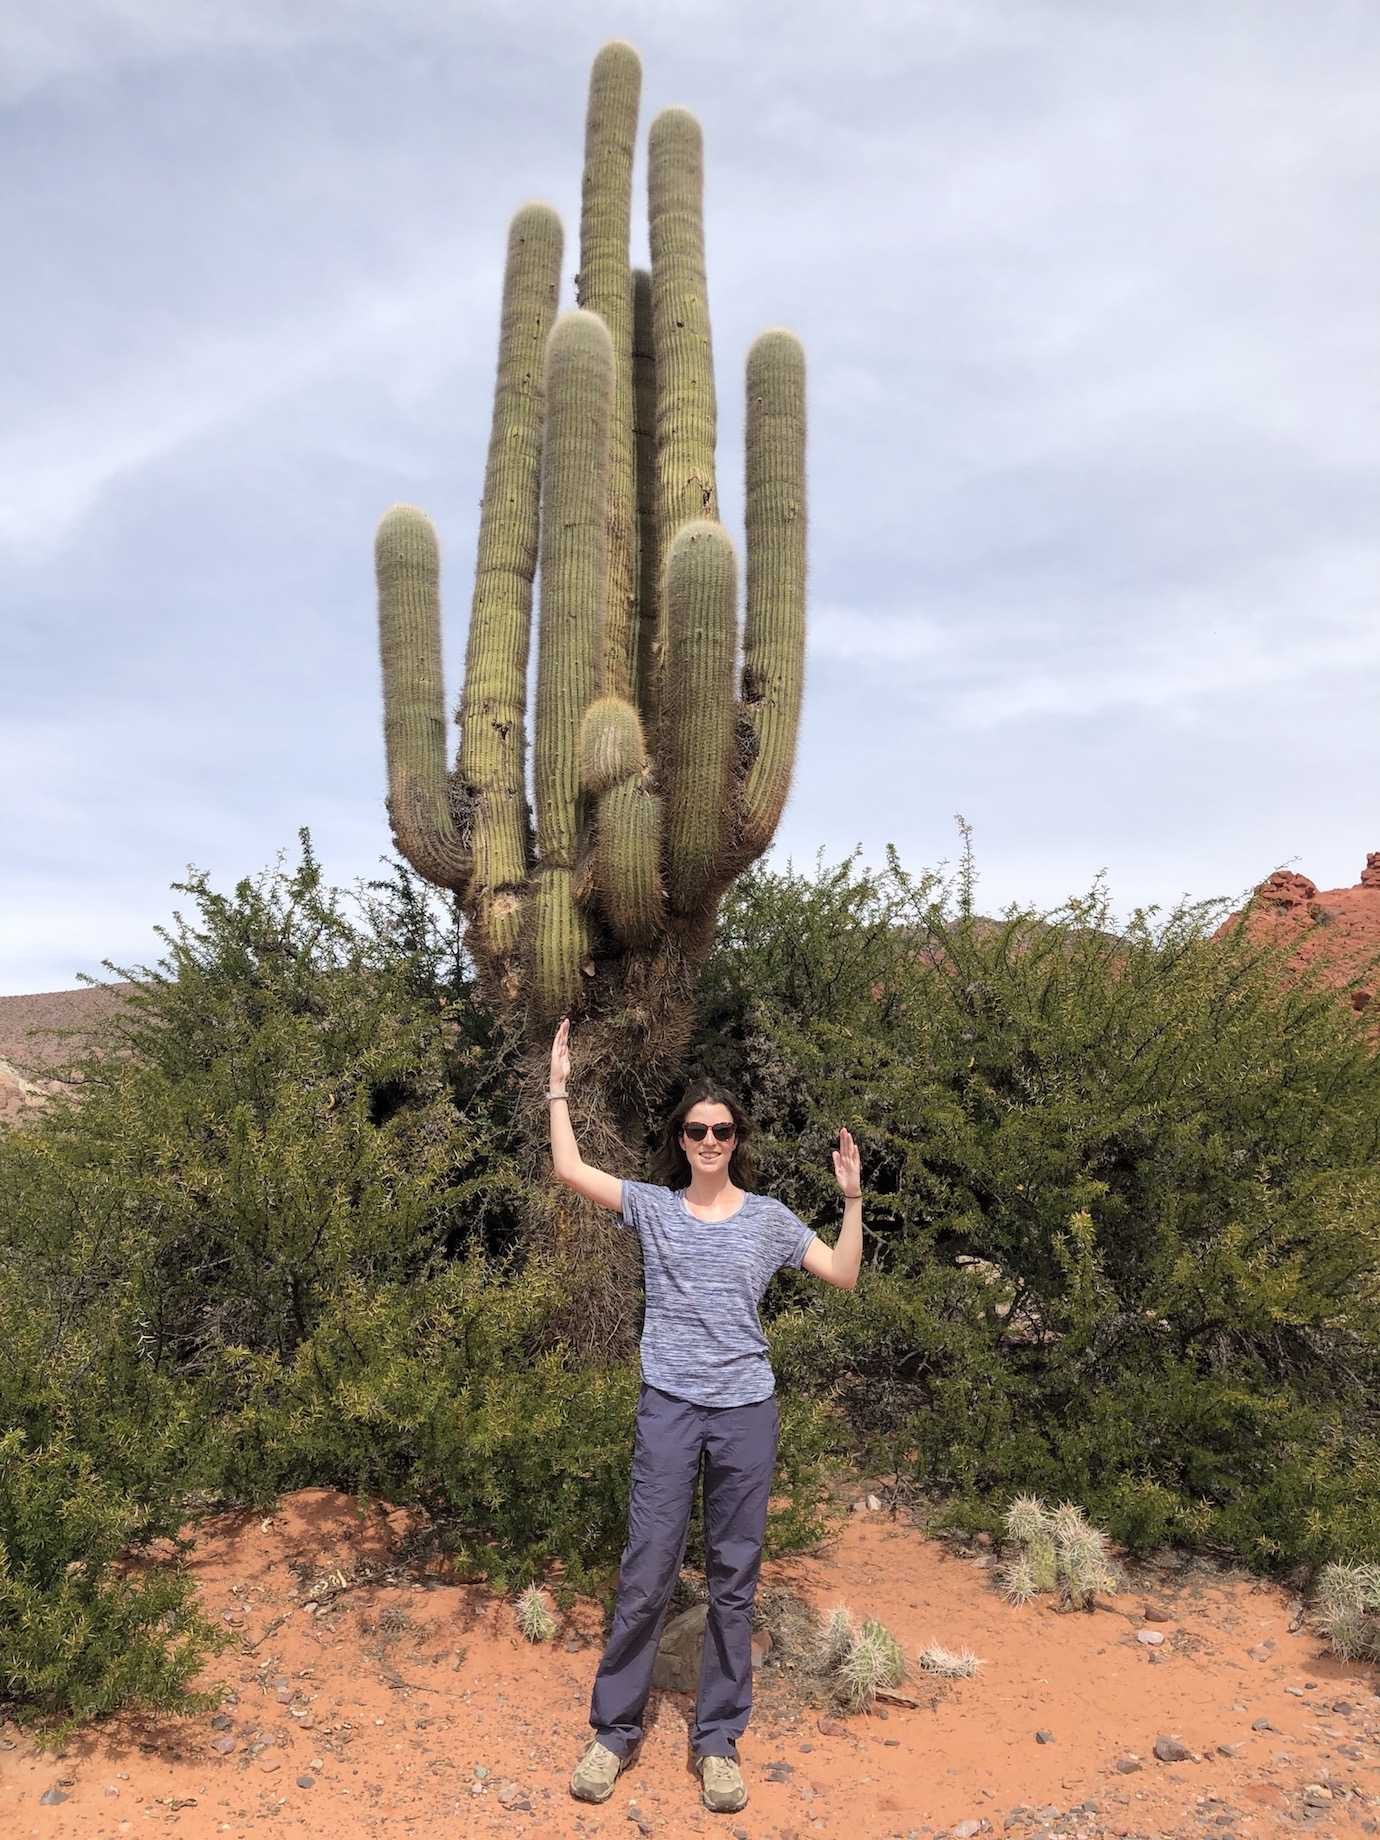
493,743
614,769
685,408
414,725
574,578
648,543
774,635
700,714
605,287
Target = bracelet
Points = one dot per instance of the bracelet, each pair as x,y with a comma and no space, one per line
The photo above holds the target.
848,1197
550,1097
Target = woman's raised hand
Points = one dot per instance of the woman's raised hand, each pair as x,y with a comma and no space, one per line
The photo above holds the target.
848,1165
560,1056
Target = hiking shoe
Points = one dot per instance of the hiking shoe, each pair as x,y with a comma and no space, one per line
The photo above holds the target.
722,1787
596,1773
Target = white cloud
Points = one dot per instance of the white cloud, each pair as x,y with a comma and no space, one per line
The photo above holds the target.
56,468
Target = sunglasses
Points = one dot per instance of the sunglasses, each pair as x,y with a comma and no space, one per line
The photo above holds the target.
696,1132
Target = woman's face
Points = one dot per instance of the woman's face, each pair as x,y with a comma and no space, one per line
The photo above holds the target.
709,1153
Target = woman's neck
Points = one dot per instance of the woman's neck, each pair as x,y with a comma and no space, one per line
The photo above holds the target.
709,1187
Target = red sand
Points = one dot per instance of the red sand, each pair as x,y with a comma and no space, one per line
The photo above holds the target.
415,1709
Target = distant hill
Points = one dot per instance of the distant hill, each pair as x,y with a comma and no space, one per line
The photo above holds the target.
30,1050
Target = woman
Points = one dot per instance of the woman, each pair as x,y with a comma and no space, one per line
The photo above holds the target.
709,1247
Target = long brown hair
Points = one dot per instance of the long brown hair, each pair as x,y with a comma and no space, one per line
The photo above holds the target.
669,1165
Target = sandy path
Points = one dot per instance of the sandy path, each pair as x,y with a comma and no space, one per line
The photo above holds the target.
415,1709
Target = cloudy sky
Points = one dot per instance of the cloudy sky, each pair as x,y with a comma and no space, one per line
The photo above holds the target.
1088,290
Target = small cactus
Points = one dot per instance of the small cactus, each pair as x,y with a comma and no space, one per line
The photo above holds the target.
836,1638
953,1664
1348,1608
534,1619
872,1659
1058,1551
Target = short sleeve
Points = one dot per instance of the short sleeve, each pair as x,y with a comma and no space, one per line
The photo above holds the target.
632,1203
792,1237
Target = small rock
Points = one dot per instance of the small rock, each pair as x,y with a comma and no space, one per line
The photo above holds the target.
306,1782
480,1772
1170,1749
1316,1796
1150,1637
984,1540
49,1796
223,1745
1156,1613
874,1505
1263,1725
1044,1737
965,1830
807,1747
1296,1691
270,1763
221,1722
514,1797
831,1728
1262,1651
1128,1765
1228,1750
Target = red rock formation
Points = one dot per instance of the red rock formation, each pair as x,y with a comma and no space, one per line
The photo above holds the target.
1338,928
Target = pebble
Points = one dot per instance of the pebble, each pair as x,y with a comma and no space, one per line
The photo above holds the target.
1296,1691
221,1722
270,1763
1150,1637
1316,1796
1154,1613
1263,1725
1128,1765
1044,1737
223,1745
306,1782
873,1505
1228,1750
513,1796
49,1796
1171,1749
831,1728
1342,1706
965,1830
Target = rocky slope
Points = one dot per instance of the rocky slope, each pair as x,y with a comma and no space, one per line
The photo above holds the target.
1336,929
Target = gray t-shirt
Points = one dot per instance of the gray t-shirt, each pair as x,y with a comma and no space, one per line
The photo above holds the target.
702,1339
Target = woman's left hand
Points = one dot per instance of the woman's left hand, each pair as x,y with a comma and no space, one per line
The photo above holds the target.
848,1164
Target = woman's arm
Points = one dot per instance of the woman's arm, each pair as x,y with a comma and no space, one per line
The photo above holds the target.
839,1264
569,1165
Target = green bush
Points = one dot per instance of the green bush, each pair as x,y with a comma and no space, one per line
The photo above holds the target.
1123,1202
79,1636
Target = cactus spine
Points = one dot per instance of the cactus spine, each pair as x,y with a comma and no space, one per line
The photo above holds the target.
657,778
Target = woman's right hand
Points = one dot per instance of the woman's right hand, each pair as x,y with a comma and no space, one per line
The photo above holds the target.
560,1057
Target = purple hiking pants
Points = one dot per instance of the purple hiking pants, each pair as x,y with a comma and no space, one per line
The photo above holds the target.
738,1444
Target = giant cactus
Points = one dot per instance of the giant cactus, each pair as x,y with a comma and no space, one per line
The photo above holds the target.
659,765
